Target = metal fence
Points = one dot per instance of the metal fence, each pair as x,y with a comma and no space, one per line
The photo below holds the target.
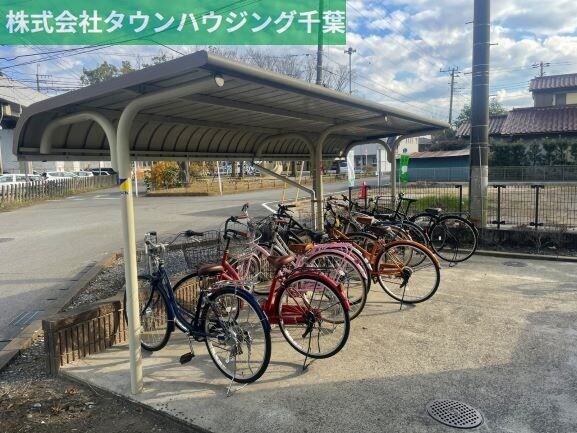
509,206
47,189
552,173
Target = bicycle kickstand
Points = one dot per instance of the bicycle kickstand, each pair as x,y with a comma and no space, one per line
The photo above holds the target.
187,357
229,390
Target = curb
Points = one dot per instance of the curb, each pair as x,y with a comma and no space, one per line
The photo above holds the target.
525,256
31,333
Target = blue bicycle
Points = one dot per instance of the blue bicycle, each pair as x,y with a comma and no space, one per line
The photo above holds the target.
226,317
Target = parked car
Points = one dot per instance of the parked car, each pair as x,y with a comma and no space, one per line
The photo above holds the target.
102,171
15,179
83,173
56,175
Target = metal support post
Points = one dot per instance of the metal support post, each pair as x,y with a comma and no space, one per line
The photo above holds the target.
130,269
291,182
498,221
536,222
460,188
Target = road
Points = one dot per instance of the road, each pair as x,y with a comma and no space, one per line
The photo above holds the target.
44,248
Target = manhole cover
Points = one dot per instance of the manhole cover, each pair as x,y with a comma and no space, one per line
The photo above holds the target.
515,264
454,413
6,240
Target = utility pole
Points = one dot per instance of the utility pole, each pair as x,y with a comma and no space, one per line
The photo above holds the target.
37,78
541,65
320,47
350,52
454,72
479,156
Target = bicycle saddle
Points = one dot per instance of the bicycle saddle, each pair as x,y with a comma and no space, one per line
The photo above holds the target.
280,261
205,270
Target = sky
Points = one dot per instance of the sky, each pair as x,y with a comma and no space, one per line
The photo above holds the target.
401,48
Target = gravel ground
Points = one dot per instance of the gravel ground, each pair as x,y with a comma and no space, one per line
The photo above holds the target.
31,401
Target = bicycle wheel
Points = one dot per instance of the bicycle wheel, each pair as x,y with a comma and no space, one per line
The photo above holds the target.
408,272
340,269
415,231
237,334
425,221
388,231
152,306
454,239
364,240
312,316
186,292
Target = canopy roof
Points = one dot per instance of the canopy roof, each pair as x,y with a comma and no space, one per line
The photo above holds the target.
253,110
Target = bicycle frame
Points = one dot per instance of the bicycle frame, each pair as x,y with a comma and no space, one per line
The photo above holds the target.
270,306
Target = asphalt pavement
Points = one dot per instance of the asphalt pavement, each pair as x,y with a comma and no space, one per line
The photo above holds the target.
47,247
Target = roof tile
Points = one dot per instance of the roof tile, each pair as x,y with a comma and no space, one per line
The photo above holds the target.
548,82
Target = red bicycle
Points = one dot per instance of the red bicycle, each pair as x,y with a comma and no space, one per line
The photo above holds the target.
310,309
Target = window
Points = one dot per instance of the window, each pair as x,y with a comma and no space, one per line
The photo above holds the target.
560,98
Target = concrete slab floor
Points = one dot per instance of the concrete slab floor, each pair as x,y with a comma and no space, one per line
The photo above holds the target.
498,335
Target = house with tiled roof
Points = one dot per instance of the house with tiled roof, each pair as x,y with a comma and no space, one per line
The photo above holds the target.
553,115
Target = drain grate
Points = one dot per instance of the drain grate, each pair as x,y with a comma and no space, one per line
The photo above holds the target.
515,264
454,413
25,318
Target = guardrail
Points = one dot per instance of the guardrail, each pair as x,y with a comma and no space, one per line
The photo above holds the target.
47,189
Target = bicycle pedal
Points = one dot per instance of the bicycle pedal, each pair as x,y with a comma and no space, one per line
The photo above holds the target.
187,357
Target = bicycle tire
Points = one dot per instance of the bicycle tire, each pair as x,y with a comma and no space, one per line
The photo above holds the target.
388,231
365,240
186,292
154,315
454,239
304,303
235,326
347,273
425,221
408,272
416,233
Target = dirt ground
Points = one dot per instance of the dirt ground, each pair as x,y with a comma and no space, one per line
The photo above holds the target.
30,401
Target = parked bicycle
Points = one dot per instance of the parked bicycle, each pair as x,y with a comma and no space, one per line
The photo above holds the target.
311,310
406,270
228,319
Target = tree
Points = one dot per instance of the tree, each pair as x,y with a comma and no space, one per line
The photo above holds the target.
103,72
534,154
495,109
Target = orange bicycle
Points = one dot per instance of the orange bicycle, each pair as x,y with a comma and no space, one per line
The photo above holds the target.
406,270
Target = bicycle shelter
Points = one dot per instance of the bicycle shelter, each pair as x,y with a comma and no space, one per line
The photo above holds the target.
204,107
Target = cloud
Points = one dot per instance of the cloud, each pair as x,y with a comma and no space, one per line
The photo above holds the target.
401,47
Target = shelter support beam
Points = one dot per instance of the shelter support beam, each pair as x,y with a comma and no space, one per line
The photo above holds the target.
124,165
291,182
105,124
318,159
392,156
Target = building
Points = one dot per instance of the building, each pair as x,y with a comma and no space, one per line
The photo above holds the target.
367,156
438,166
553,115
